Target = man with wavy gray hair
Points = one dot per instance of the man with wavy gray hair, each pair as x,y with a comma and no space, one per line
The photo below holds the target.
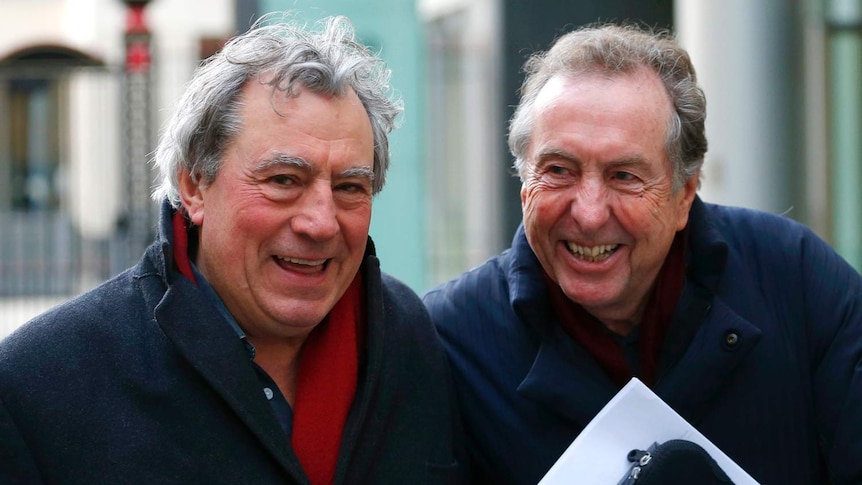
257,340
745,323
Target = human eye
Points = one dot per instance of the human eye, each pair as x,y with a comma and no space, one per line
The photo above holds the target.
280,186
282,179
556,169
623,176
626,181
354,188
556,175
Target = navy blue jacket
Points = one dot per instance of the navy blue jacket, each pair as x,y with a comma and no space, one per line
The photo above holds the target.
142,381
783,400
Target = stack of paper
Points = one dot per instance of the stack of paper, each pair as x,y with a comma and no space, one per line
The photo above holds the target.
635,418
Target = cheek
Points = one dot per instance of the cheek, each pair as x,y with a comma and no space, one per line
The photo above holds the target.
355,224
541,211
247,228
530,204
533,198
544,205
656,208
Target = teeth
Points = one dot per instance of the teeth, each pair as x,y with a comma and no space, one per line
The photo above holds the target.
593,254
306,262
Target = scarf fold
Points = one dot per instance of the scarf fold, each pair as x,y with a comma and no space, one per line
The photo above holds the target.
328,372
591,334
181,246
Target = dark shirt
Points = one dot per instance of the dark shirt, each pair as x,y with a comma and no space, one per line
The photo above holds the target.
276,399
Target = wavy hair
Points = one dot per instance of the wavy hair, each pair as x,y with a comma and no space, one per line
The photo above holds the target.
328,60
621,49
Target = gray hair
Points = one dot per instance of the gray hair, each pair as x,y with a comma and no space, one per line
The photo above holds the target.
326,61
621,49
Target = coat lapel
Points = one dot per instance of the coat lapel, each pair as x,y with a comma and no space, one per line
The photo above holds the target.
214,350
566,379
721,344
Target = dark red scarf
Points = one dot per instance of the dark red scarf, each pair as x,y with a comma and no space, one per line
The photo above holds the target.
590,333
328,372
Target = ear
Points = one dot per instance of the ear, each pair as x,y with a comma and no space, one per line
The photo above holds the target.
686,198
191,197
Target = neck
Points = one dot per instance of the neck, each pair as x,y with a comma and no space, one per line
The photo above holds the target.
620,327
280,360
622,322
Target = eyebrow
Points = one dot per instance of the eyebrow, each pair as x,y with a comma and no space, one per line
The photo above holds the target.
554,154
359,172
281,159
634,160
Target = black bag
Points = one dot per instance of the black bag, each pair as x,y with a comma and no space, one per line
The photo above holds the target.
674,462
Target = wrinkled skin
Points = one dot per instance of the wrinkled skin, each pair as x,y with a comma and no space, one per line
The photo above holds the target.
597,181
284,224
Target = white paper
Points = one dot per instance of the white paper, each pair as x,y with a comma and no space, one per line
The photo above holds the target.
635,418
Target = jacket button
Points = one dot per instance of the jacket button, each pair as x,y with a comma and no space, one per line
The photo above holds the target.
731,339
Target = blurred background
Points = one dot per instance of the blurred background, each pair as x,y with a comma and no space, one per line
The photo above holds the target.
86,84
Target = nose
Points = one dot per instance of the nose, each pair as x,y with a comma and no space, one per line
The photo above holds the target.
590,206
315,215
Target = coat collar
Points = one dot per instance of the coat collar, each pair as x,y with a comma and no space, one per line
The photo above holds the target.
697,359
213,349
207,342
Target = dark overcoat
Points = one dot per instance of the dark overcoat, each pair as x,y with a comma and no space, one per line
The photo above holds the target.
763,355
142,381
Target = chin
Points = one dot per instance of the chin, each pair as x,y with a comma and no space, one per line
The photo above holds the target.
301,314
588,299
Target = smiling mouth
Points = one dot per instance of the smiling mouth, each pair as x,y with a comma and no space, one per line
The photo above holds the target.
305,266
592,254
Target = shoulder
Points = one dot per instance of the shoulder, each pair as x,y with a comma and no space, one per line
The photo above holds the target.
771,238
475,309
101,318
398,293
401,304
403,311
775,260
471,288
752,223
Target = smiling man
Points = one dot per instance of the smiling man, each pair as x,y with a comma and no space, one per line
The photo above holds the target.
257,340
746,323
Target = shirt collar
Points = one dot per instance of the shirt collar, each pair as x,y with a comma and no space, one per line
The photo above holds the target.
208,290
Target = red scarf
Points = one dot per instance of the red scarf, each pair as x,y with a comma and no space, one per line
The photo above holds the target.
328,372
591,334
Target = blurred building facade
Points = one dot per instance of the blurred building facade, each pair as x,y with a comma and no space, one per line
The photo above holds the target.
783,80
84,85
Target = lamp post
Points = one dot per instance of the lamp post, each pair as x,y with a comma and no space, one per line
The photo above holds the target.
138,134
